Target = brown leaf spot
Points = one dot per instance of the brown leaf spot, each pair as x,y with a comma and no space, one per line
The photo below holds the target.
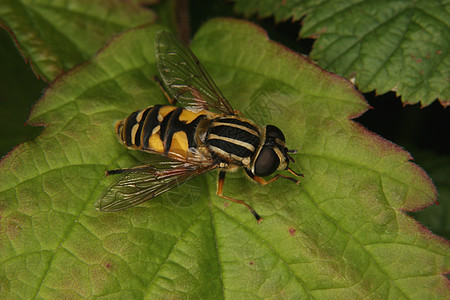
107,265
292,231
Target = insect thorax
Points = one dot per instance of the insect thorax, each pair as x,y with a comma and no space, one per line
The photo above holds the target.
233,139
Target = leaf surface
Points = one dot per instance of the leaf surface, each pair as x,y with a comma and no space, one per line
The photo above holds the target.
341,233
56,35
400,46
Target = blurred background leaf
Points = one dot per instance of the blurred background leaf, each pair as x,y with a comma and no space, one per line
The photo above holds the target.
400,46
57,35
19,90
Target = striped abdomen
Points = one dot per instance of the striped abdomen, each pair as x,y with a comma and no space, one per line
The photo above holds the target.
162,129
234,138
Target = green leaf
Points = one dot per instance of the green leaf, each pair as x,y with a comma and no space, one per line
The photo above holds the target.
400,46
341,233
56,35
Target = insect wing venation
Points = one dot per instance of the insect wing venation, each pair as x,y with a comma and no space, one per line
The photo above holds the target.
143,183
186,78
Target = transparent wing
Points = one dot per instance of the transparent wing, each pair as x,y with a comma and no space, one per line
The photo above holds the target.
141,184
186,78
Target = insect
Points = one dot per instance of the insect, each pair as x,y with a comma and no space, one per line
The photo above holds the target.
206,133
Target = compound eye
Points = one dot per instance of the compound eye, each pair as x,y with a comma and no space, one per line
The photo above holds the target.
267,162
274,132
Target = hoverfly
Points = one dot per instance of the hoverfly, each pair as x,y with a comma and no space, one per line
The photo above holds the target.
205,134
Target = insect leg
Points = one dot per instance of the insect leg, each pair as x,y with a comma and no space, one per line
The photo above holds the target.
171,100
219,193
295,173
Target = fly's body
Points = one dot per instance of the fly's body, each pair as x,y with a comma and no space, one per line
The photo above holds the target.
233,139
168,130
181,134
205,134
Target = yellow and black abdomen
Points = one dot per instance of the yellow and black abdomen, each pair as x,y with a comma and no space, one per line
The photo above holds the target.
162,129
